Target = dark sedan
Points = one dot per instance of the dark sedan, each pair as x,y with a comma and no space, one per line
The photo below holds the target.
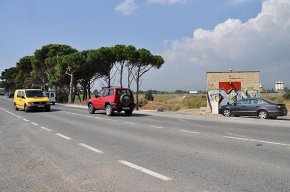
262,108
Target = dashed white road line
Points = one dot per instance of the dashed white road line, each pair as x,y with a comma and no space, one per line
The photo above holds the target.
8,111
90,148
129,123
19,117
256,140
25,120
33,123
144,170
63,136
46,129
89,116
192,132
156,127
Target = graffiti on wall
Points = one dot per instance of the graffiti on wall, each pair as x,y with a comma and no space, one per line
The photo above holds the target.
229,92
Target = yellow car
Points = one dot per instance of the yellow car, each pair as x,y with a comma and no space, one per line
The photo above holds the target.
31,99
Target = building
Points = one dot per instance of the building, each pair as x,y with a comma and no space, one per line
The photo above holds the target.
230,86
279,86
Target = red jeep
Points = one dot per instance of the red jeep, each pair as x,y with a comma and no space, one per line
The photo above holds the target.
112,99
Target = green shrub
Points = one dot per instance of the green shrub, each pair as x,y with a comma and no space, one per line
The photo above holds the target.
149,96
190,102
286,96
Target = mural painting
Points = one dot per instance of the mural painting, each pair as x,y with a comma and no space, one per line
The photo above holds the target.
229,92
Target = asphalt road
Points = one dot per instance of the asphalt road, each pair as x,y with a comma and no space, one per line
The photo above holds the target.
69,149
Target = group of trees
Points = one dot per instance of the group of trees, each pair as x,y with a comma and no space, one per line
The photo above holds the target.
71,72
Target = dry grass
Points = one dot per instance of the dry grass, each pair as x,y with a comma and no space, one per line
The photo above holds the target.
174,102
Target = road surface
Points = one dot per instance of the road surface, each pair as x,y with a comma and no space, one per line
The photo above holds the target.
69,149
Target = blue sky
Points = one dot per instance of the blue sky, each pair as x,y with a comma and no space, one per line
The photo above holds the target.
193,36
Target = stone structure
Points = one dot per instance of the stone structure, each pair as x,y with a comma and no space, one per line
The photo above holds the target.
227,87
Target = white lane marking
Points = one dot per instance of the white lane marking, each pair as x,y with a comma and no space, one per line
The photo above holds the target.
8,111
19,117
129,123
25,120
235,135
89,116
63,136
193,132
33,123
147,171
78,114
90,148
156,127
256,140
46,129
105,119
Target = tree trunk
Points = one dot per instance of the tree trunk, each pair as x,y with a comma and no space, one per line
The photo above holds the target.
70,88
89,89
121,75
137,91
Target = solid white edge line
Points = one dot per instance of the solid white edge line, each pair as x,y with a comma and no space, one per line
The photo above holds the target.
8,111
255,140
144,170
90,148
33,123
238,138
63,136
193,132
45,128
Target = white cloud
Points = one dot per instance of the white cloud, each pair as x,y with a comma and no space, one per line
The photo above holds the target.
262,43
127,7
166,1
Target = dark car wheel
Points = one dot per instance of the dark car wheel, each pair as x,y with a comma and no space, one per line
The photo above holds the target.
15,107
263,114
226,112
47,109
128,113
91,108
109,110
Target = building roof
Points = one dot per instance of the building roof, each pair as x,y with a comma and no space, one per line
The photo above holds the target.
233,72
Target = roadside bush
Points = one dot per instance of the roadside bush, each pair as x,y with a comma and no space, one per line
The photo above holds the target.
193,102
286,96
149,96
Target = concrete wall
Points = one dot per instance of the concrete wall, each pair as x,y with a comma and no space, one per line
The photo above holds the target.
250,80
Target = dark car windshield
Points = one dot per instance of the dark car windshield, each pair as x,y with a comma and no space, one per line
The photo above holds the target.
34,93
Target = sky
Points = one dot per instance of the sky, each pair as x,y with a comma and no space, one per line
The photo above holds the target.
192,36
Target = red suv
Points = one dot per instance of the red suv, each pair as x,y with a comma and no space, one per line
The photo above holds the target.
112,99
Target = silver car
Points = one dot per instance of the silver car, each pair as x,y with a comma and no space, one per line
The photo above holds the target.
2,91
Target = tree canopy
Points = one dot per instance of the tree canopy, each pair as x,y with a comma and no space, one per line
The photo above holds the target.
69,71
